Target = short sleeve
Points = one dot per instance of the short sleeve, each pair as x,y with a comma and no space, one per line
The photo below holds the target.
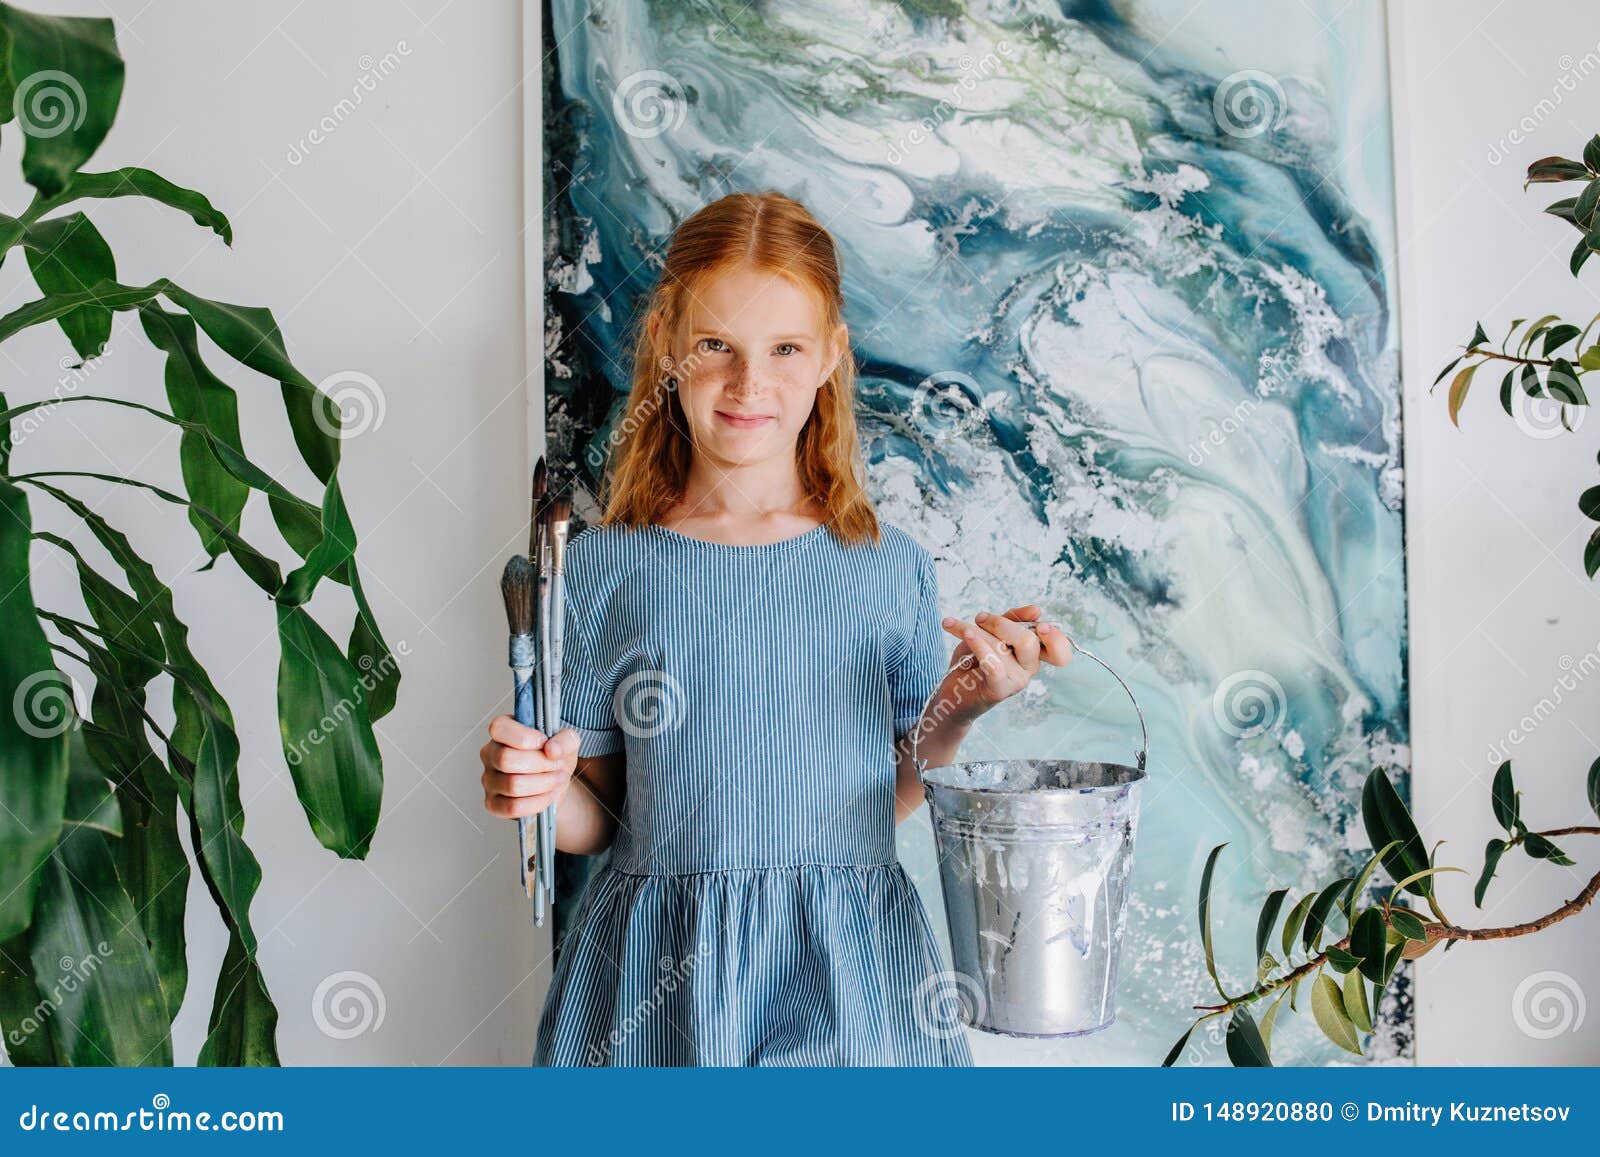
915,677
585,696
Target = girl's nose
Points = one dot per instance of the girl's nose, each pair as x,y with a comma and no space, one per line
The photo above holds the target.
744,382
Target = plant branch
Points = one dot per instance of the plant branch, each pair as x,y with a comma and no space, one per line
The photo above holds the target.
1436,932
1475,351
1571,908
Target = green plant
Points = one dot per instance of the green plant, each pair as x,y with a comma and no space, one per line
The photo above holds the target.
1547,372
1378,931
93,878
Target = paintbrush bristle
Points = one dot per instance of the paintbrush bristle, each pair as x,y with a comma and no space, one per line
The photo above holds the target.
516,587
541,485
559,509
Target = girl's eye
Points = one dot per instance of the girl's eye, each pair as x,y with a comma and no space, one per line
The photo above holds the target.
708,341
789,345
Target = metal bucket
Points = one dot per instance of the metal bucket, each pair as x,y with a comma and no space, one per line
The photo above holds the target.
1034,858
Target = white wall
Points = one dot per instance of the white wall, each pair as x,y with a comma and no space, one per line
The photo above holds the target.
1502,616
392,249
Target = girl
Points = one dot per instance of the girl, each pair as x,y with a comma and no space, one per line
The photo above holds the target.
747,651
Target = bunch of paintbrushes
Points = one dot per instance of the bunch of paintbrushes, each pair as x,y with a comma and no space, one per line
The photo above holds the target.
532,588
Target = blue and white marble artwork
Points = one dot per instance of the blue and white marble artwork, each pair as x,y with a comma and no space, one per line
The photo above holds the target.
1120,284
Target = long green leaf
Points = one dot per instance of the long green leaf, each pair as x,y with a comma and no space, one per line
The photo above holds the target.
1491,860
299,521
1367,940
327,736
1327,1006
257,567
87,930
151,861
136,182
370,655
1269,1018
1295,921
1205,917
250,336
244,1022
1503,797
23,1008
1268,920
197,395
130,629
1355,1001
91,797
106,295
1172,1054
1321,907
68,255
220,814
1246,1049
1359,887
63,82
1407,924
34,701
1387,820
202,735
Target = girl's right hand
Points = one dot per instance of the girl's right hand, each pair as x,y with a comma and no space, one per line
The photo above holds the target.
523,772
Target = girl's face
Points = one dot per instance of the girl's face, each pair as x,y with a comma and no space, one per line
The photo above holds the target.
749,360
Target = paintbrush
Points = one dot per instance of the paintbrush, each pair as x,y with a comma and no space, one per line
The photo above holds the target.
538,551
557,522
516,587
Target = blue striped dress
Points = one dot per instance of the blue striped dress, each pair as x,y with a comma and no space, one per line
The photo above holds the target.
752,910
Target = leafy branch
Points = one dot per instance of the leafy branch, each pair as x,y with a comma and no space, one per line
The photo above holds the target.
1552,356
93,876
1378,935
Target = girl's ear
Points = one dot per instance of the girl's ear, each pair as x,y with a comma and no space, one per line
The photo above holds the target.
840,346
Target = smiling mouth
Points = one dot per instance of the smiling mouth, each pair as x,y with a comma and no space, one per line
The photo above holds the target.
743,421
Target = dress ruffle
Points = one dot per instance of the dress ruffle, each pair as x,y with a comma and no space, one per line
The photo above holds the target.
808,964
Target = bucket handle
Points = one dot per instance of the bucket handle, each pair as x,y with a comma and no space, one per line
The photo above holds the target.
1144,747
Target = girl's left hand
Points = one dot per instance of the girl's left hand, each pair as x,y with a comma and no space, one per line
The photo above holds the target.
1006,655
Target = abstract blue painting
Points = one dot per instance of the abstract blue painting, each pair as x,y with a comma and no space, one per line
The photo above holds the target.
1119,281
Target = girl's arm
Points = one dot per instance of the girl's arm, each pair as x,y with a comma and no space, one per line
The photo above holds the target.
588,813
523,774
938,735
1008,655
